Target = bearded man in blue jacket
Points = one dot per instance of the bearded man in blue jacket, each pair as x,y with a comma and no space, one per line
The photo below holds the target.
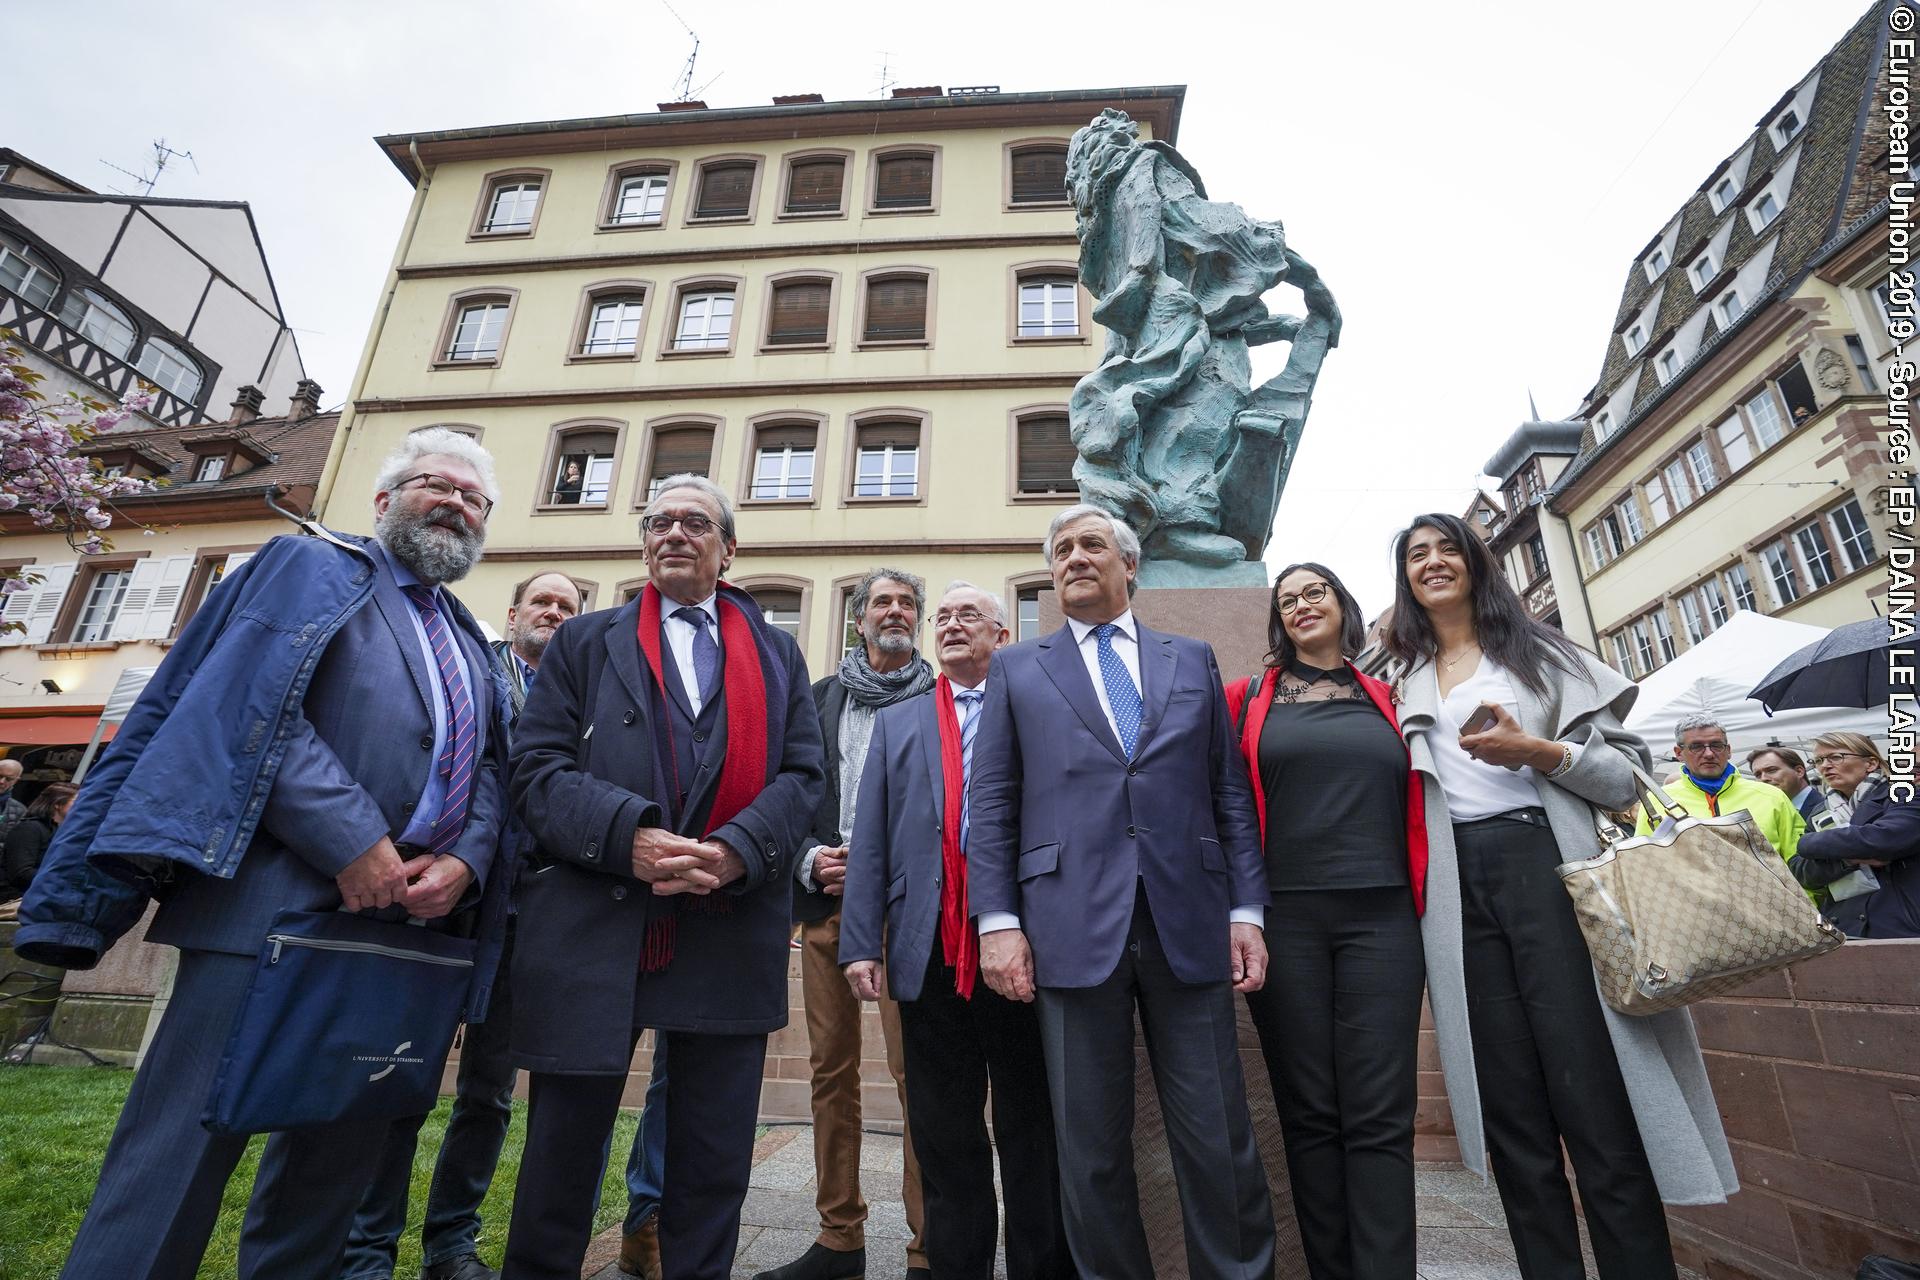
327,733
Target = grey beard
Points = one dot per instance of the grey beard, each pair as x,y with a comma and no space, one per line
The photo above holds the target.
530,645
892,642
432,560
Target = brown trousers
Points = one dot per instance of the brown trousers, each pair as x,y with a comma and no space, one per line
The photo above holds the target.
833,1036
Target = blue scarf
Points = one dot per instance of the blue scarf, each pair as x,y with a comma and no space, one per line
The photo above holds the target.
1712,786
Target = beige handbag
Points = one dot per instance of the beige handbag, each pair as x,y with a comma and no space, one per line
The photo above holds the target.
1692,910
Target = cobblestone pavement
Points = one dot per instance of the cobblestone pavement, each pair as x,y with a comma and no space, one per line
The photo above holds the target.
1462,1232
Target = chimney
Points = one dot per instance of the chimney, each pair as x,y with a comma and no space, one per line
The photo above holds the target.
691,104
918,91
306,400
795,99
247,403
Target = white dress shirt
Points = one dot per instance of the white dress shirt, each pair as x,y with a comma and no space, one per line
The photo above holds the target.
679,633
1126,646
1475,789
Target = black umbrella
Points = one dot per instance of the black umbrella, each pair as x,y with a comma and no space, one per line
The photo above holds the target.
1845,668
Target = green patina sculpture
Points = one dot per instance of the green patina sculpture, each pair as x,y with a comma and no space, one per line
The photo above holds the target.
1172,435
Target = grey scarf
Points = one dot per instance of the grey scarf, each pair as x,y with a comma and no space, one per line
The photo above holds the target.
877,689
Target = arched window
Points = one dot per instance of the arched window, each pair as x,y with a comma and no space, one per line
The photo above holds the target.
170,369
26,271
99,321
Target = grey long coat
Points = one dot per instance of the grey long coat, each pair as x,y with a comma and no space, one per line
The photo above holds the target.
1659,1056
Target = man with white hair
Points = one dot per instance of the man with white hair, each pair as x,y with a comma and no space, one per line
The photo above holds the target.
326,733
1114,862
1709,785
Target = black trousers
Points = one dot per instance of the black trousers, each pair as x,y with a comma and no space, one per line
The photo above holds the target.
1546,1066
713,1101
1192,1037
1339,1024
953,1048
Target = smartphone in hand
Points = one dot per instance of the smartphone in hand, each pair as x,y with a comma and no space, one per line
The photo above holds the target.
1484,717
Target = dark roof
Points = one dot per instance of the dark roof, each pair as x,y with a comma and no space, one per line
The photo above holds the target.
295,449
1827,178
1530,438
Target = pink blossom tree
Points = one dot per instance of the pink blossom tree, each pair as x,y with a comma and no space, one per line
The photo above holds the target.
41,473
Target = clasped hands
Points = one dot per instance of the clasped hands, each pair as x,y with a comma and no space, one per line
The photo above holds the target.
679,864
428,885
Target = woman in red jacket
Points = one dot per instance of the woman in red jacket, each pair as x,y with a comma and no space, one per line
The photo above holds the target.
1339,1017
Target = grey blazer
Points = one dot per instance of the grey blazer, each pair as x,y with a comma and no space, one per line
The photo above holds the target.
893,866
1659,1056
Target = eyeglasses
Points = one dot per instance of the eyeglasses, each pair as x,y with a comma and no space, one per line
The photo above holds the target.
694,525
1705,748
441,487
968,617
1312,594
1817,761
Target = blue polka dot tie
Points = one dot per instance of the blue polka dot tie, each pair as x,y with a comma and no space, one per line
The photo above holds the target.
1122,696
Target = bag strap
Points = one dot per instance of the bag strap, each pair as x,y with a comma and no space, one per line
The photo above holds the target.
1649,786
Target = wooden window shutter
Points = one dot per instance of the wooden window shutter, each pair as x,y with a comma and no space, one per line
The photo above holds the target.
1046,454
796,435
896,309
904,182
813,186
726,190
594,443
1040,175
772,598
682,449
799,312
878,435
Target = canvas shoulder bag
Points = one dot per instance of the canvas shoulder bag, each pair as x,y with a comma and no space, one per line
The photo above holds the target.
1700,906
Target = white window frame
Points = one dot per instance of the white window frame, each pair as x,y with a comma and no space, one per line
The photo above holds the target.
1758,215
1635,338
1862,362
211,467
1782,573
787,620
1722,195
1691,620
891,480
1667,367
1058,300
1703,271
1630,521
1658,508
170,369
1729,308
1656,263
1739,437
94,623
1848,536
614,325
505,202
786,475
1816,556
1700,459
1769,427
1623,653
99,322
651,189
1663,635
1781,131
484,326
39,278
1714,601
699,310
1602,425
1740,587
1679,483
1596,548
1642,644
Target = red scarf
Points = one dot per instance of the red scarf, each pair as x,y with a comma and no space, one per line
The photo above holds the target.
959,944
743,775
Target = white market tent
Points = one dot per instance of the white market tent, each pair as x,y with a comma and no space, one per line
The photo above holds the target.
1715,675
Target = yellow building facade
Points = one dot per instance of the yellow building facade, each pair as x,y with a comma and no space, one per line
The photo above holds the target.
860,318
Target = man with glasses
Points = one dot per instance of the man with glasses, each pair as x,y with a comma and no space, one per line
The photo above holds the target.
326,733
1709,786
667,763
957,1033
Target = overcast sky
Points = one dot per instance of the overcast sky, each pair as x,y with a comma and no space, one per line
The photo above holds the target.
1473,181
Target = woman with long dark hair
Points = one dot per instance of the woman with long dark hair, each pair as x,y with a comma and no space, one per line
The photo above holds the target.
1340,1023
1517,734
27,842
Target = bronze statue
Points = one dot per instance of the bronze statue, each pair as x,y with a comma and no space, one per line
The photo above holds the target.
1172,436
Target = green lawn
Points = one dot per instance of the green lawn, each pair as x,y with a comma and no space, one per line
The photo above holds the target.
54,1125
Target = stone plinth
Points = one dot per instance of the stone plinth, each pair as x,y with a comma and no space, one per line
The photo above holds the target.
1231,619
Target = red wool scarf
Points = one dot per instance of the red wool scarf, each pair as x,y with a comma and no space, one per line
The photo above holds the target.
959,944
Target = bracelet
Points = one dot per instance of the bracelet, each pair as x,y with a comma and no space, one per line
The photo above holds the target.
1566,761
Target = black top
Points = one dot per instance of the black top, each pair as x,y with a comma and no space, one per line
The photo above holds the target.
1335,777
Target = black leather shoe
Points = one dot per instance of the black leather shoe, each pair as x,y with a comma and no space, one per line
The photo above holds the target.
465,1267
821,1263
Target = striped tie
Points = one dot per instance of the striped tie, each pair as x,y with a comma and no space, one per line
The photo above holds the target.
967,703
459,758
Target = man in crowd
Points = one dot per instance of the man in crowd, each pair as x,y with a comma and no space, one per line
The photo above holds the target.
381,788
483,1098
1784,768
1710,785
883,669
667,763
957,1033
1115,861
11,810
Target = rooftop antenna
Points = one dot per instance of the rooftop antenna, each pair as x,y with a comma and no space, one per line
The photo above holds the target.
162,154
683,86
886,74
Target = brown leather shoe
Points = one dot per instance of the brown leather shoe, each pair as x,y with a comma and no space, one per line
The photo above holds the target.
640,1252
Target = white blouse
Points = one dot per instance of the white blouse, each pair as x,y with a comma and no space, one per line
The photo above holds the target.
1474,788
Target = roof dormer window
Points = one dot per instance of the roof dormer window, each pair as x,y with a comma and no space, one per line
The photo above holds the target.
1786,127
1635,338
1729,308
1602,425
1655,264
1763,211
1667,366
1722,194
1703,270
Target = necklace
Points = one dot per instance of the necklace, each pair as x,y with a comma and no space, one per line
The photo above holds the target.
1471,648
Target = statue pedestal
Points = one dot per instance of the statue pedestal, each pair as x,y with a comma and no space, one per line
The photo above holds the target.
1234,621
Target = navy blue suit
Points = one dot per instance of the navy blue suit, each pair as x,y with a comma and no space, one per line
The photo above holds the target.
1124,873
355,768
953,1047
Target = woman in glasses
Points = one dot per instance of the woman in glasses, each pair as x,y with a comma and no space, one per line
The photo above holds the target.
1517,735
1340,1024
1871,833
